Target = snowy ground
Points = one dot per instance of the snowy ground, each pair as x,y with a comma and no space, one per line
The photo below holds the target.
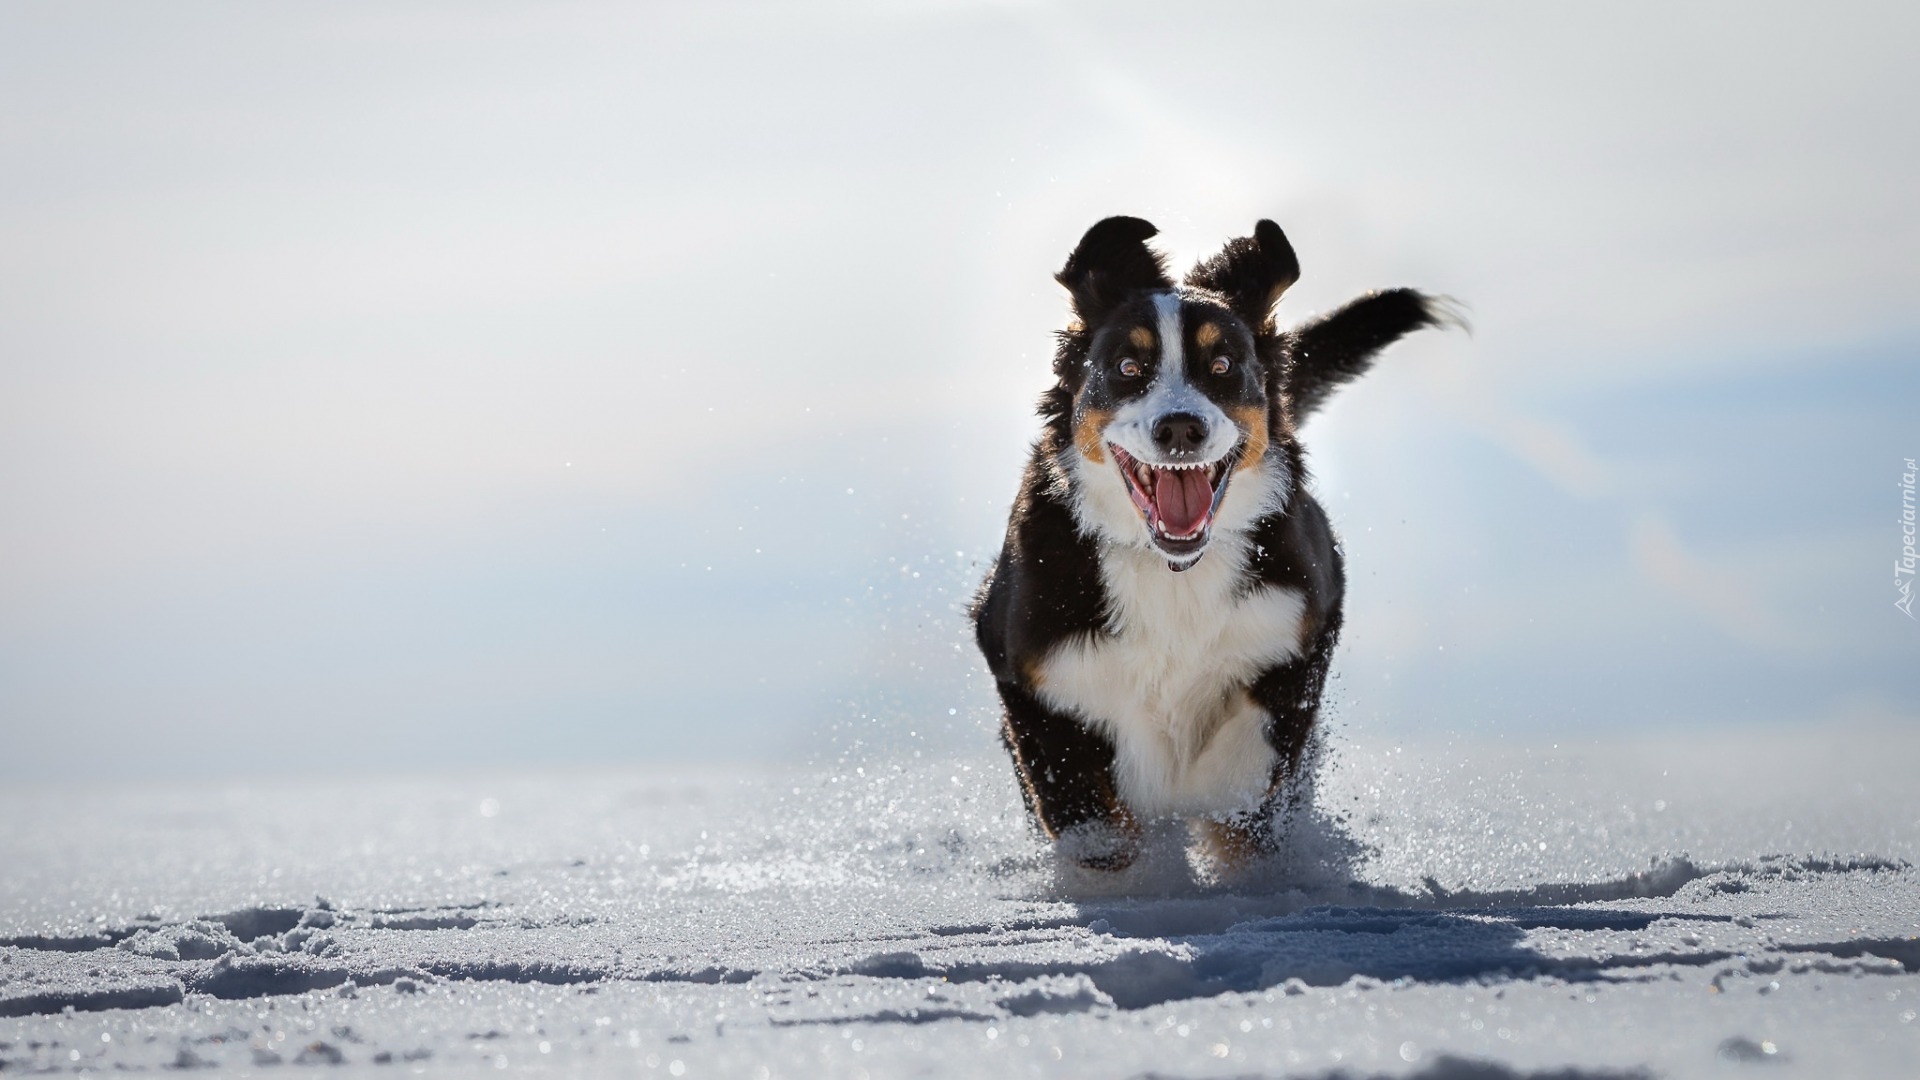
1717,905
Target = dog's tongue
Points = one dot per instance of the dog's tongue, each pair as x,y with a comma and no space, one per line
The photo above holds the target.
1181,499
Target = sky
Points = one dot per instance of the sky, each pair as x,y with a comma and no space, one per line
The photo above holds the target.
416,386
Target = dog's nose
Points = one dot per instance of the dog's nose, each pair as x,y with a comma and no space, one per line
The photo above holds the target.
1179,433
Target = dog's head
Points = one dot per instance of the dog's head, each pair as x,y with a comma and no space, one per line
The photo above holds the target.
1166,421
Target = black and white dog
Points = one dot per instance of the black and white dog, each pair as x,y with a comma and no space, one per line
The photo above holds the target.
1162,615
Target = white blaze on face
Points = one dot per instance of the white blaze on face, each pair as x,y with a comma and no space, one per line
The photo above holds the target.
1173,343
1170,392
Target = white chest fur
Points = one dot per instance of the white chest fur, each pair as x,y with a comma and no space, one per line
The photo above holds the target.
1166,680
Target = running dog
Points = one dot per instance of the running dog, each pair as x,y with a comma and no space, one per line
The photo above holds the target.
1160,619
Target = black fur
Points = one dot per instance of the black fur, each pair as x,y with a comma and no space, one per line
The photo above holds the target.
1334,350
1046,588
1112,263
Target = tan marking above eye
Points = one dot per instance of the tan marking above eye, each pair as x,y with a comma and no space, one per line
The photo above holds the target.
1207,336
1141,337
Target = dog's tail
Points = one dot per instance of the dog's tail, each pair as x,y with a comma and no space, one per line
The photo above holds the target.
1331,351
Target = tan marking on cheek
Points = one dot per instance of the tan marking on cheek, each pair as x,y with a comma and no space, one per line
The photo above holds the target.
1087,435
1207,336
1035,677
1253,420
1141,337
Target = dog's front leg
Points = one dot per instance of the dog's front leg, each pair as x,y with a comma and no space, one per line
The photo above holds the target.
1290,695
1066,774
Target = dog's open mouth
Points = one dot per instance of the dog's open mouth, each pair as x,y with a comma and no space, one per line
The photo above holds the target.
1177,501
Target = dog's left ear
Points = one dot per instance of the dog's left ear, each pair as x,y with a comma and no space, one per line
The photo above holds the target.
1251,272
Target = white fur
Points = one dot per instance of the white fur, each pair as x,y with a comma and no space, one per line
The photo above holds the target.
1161,679
1173,348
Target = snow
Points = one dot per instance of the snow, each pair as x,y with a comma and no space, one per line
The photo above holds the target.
1687,906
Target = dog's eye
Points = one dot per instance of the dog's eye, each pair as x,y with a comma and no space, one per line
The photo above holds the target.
1130,368
1222,365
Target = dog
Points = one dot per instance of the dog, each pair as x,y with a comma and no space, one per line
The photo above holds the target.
1161,616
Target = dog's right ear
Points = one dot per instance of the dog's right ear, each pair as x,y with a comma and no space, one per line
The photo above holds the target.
1112,262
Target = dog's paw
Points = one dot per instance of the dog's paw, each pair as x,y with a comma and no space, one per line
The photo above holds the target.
1231,852
1144,860
1099,845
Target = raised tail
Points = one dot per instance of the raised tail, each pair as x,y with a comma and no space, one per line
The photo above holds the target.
1331,351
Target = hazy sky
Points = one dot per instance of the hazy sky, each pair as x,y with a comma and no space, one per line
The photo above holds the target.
407,385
